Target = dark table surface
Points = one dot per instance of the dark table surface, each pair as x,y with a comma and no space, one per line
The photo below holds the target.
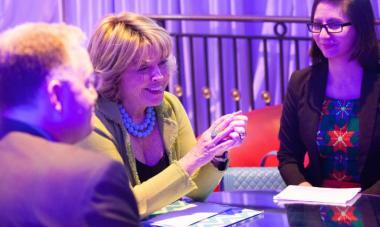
365,211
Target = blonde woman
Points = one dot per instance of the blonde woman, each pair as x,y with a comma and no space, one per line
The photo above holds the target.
146,128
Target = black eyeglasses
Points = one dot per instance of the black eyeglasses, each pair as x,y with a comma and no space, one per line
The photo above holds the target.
330,27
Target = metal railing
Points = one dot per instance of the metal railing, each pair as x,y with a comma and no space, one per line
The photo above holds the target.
205,51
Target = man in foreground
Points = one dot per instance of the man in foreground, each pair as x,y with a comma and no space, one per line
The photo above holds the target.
47,95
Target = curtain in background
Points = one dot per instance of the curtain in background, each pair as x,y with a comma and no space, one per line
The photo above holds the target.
86,13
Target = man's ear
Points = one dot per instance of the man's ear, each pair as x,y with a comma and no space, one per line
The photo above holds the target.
55,90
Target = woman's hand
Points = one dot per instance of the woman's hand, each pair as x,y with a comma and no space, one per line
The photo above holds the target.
225,133
232,126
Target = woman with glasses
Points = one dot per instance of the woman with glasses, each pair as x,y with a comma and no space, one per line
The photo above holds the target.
146,128
332,108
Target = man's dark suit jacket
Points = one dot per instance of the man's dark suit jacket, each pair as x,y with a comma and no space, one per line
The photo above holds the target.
299,125
44,183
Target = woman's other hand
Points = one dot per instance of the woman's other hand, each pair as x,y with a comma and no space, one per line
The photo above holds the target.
225,133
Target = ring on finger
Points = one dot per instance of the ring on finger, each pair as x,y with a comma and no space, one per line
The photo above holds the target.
214,133
242,135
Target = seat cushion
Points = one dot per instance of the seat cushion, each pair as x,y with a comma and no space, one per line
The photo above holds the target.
252,178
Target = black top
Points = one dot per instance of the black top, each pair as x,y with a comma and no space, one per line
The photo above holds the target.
146,172
299,125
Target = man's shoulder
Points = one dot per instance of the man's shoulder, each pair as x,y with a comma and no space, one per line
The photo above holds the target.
59,165
58,155
69,179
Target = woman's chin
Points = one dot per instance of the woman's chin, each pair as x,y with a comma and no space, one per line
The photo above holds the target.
155,101
154,98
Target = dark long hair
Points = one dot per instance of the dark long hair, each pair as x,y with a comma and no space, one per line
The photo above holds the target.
366,47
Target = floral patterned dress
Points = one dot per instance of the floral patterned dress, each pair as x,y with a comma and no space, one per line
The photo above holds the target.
338,143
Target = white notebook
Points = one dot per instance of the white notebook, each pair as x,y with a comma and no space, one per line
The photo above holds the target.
318,195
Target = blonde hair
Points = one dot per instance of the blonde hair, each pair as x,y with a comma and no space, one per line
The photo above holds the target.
122,41
30,53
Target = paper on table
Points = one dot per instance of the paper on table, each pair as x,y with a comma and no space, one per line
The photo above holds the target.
236,215
318,195
187,215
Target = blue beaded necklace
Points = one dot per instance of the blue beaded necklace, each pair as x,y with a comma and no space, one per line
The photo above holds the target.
143,129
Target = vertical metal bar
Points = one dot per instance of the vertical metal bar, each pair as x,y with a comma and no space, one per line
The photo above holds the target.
297,50
193,86
266,68
179,59
61,9
236,76
205,54
179,65
281,46
112,6
251,75
221,77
